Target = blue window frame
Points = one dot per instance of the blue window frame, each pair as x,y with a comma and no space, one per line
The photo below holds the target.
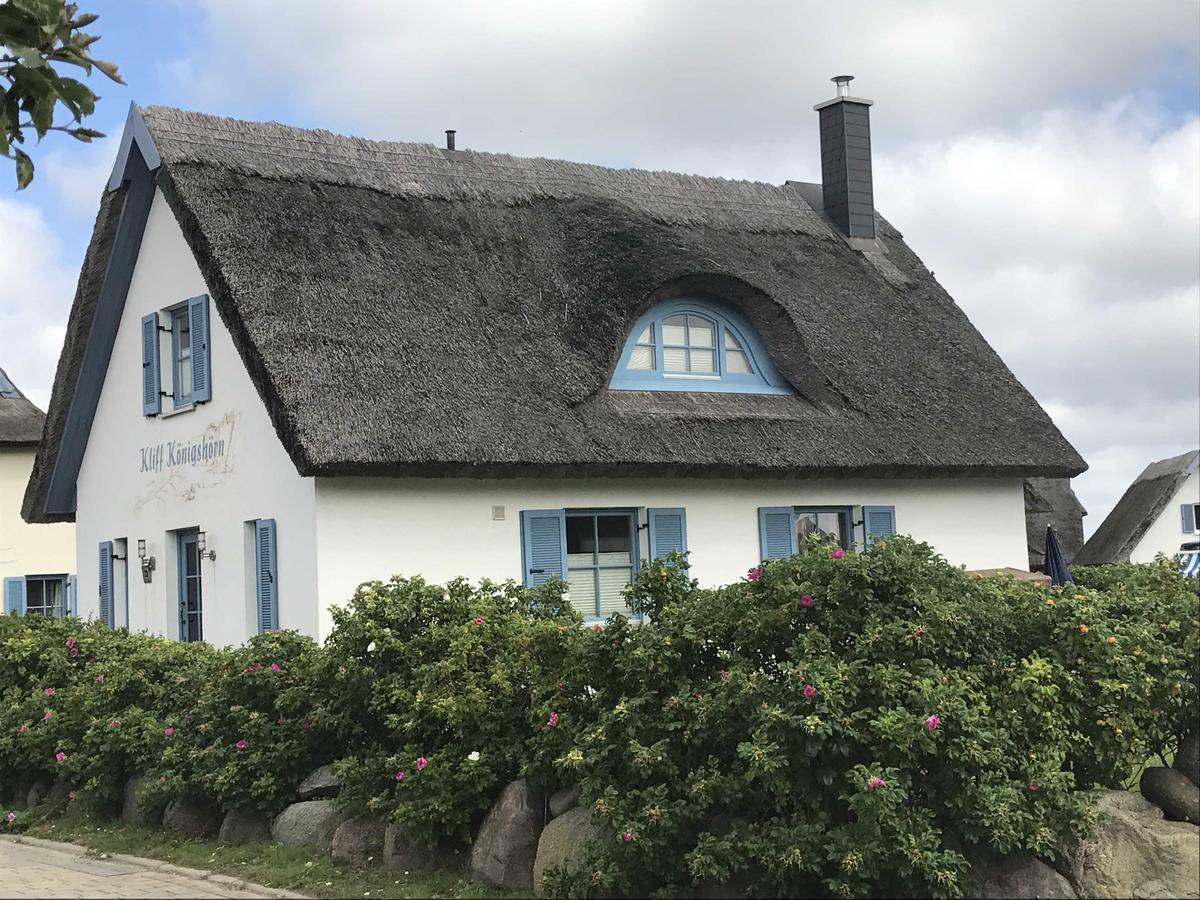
191,588
694,345
46,595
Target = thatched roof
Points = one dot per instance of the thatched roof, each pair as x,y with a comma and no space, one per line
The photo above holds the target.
1138,509
1051,501
409,310
20,421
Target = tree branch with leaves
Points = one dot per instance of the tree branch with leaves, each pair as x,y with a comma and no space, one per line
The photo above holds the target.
35,37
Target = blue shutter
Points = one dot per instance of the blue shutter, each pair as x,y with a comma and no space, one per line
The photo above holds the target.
151,379
14,596
543,545
668,531
1187,513
266,584
878,522
201,375
777,531
106,583
73,595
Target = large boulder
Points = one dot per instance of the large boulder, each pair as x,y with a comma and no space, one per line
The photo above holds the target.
242,826
562,800
136,809
1134,853
507,842
358,841
36,794
1172,792
193,819
1187,757
402,851
309,823
321,784
1018,875
563,842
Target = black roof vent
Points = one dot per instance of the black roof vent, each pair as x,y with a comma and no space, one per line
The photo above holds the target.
450,138
846,187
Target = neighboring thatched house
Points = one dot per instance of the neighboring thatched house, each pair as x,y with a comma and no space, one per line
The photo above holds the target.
37,562
297,361
1051,501
1157,514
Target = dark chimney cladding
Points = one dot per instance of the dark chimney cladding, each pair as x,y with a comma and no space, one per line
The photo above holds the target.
450,138
846,186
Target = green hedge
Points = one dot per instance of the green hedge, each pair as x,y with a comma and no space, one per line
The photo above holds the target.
846,725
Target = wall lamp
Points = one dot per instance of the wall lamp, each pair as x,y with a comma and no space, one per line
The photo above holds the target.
147,561
201,544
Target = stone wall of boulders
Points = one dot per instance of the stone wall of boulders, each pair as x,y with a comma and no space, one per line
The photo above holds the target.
1146,846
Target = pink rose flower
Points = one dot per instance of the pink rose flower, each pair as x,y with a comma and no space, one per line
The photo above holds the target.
875,782
70,643
1034,786
839,553
168,731
479,620
49,692
626,836
48,716
241,744
24,729
725,676
100,678
806,601
809,690
754,574
115,723
596,628
74,651
308,723
187,717
400,775
60,756
275,667
422,762
932,722
553,720
11,817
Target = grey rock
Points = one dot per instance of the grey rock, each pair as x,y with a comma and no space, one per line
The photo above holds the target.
36,794
321,784
138,810
81,805
506,844
402,851
59,795
1134,853
563,842
1018,875
1172,792
309,823
562,800
15,794
193,819
242,826
1187,757
358,841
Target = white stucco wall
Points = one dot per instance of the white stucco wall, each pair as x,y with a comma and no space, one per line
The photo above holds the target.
371,528
28,549
253,478
1166,533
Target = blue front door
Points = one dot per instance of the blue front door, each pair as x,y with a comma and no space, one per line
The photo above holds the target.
191,594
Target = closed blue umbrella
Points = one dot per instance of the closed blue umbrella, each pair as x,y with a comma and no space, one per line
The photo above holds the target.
1056,565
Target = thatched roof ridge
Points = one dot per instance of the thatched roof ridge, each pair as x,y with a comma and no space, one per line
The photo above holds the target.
20,421
1138,509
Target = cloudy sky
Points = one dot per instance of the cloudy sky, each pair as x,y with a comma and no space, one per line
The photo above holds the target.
1043,158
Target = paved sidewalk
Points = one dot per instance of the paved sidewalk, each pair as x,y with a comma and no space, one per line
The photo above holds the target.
31,867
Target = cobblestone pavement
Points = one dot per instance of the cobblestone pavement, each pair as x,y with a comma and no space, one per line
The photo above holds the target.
30,867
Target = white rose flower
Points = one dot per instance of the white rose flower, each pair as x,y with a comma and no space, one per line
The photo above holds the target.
473,756
371,647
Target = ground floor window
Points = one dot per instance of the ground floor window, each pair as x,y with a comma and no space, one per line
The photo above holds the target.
601,557
191,591
46,595
787,530
832,526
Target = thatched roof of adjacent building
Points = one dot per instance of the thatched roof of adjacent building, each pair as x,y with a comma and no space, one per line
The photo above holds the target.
407,310
1138,509
1051,501
20,421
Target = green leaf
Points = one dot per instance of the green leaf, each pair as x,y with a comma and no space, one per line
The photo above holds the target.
108,69
24,169
85,134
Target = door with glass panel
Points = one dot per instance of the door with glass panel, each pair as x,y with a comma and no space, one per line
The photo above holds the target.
191,591
601,560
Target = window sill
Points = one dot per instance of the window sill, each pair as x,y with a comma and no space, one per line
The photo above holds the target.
178,411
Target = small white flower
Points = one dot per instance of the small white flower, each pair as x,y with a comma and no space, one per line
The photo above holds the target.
566,595
473,756
308,865
371,647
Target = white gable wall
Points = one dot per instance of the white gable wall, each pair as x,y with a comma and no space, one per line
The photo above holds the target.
372,528
1166,533
252,477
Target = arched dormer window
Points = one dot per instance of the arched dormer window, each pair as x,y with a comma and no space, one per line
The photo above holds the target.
694,345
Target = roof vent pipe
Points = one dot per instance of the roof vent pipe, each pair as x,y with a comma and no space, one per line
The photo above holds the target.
450,138
847,190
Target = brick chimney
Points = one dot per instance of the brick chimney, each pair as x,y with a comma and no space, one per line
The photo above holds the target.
846,186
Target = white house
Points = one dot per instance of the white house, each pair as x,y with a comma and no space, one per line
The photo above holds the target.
1159,513
37,562
297,361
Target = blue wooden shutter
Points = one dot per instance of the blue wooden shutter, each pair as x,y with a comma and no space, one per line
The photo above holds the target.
14,596
151,379
1187,513
668,531
544,545
878,522
777,531
266,574
201,374
73,595
106,583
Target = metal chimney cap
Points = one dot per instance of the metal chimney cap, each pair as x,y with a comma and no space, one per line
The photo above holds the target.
843,93
450,132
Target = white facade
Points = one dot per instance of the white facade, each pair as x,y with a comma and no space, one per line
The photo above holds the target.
1166,533
333,533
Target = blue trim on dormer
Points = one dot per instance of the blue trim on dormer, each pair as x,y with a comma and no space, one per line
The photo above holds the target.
765,379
